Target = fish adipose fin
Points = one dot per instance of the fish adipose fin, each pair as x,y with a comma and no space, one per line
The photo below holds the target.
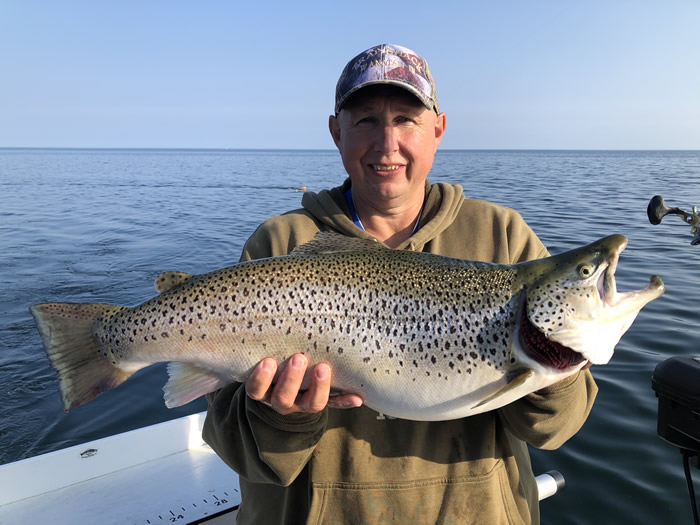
166,281
515,379
332,242
66,331
187,382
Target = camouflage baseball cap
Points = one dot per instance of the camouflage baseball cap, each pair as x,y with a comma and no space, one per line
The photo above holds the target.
387,64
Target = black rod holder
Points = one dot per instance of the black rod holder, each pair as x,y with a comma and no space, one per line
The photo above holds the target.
657,210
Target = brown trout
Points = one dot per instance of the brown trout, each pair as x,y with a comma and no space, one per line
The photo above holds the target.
416,335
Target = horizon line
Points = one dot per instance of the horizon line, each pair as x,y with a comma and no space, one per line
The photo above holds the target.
167,148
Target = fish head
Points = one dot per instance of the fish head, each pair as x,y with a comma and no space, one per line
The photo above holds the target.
573,311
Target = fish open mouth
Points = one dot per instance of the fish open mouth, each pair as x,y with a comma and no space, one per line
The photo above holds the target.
545,350
625,303
607,288
576,313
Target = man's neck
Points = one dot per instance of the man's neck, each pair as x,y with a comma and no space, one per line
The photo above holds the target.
392,227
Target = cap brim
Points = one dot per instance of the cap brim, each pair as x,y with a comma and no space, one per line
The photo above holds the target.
427,102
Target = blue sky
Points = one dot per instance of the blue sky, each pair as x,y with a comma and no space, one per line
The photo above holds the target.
522,74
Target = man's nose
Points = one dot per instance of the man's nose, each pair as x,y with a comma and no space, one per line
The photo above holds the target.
387,139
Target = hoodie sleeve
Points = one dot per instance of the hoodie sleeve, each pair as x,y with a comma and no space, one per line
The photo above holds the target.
257,442
254,440
547,418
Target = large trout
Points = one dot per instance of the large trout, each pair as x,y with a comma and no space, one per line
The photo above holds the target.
416,335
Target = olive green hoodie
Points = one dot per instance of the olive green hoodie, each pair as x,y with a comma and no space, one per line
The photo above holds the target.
355,465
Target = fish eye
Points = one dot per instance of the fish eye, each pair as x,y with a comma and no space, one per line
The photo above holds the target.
585,270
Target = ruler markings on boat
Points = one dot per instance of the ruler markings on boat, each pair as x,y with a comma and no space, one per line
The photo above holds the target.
198,510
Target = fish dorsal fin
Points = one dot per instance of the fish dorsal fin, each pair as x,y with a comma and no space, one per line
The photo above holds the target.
515,379
332,242
168,280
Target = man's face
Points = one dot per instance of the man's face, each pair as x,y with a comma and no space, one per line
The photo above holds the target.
387,140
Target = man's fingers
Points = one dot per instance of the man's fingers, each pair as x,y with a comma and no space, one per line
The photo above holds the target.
345,401
259,382
315,398
285,396
284,393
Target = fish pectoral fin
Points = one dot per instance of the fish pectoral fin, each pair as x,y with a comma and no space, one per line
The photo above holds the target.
515,378
166,281
187,382
332,242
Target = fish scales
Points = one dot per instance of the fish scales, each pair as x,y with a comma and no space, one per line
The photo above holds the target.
417,335
439,317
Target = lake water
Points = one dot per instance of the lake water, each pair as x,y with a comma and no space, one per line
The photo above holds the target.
100,225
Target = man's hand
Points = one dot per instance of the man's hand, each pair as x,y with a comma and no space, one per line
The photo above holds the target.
285,397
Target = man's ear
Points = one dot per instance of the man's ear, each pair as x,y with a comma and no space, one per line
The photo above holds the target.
334,127
440,123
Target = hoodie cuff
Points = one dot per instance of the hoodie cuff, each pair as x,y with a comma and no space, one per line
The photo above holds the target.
297,422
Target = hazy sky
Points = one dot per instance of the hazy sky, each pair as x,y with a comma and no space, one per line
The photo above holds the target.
609,74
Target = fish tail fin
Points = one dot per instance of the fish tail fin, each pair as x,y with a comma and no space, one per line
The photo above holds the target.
66,331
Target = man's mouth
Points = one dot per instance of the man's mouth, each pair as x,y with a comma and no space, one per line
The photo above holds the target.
386,168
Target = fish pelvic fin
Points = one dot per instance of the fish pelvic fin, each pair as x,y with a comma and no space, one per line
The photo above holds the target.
515,379
166,281
187,382
66,331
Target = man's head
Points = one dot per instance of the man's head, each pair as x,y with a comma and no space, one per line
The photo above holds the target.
387,125
389,65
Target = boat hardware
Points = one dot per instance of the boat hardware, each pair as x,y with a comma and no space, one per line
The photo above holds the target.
657,210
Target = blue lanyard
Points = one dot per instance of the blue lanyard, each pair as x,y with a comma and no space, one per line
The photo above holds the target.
356,219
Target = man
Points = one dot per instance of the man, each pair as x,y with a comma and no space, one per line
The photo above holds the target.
305,457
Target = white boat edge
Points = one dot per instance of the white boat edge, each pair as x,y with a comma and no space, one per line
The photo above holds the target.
186,481
100,457
162,472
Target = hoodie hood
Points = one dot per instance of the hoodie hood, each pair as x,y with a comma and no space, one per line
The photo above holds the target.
442,204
